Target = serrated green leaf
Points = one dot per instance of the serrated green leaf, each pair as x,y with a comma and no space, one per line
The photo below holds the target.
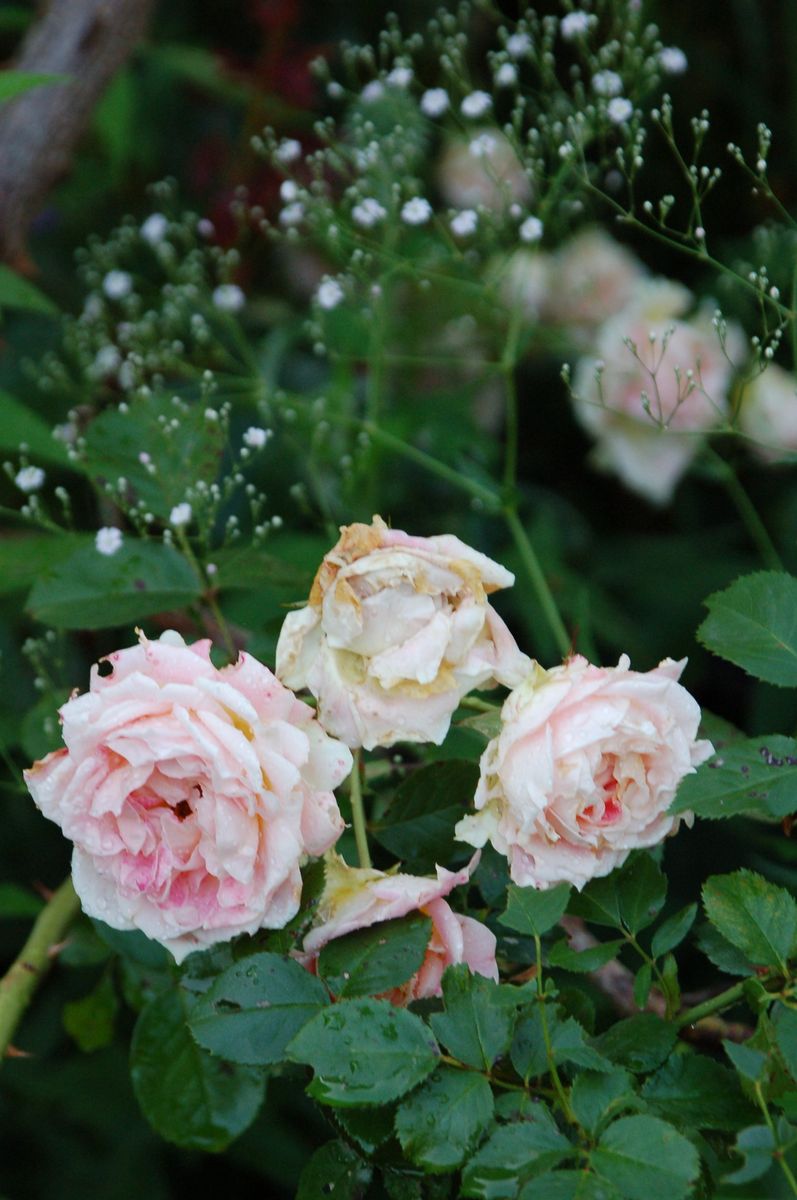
370,1128
582,961
97,591
438,1123
641,891
673,931
643,981
598,1097
255,1007
753,623
568,1042
598,902
641,1042
335,1171
364,1052
757,1146
187,1095
512,1154
477,1023
568,1185
371,961
785,1025
720,951
418,827
756,916
754,776
531,912
90,1020
695,1092
646,1159
749,1062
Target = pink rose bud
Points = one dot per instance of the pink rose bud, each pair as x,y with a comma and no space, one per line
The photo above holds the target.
397,630
584,769
191,794
357,897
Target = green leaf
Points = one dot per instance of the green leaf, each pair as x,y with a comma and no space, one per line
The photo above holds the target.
753,623
749,1062
23,556
370,1128
673,931
599,902
568,1044
641,891
785,1023
757,776
640,1043
255,1007
14,83
488,724
252,567
720,951
371,961
512,1154
534,912
335,1172
757,1146
591,959
18,901
695,1092
440,1121
21,425
90,1021
756,916
136,946
364,1052
188,1096
568,1185
18,292
643,981
597,1097
419,824
477,1023
646,1159
98,591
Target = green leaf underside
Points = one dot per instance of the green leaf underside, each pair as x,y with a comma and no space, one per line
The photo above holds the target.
364,1052
371,961
757,775
189,1096
96,591
753,623
254,1008
757,917
441,1120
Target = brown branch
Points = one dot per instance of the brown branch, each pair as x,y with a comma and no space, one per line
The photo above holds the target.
86,40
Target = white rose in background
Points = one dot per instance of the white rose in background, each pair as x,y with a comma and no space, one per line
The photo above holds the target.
524,281
768,414
656,386
358,897
396,631
592,278
482,169
584,769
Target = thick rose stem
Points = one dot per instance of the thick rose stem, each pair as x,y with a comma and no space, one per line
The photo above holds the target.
23,977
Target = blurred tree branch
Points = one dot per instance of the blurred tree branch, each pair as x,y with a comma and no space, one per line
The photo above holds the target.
87,40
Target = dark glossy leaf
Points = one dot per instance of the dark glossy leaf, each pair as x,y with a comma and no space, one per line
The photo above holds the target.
477,1023
418,827
335,1172
531,912
753,623
695,1092
673,931
757,1146
598,1097
757,776
591,959
646,1159
641,890
640,1043
371,961
440,1121
756,916
511,1154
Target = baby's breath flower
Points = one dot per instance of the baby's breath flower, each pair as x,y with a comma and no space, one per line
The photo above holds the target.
619,110
476,104
374,90
155,228
229,297
106,361
416,211
672,60
482,145
255,437
531,230
434,102
400,77
607,83
574,25
330,293
506,75
288,150
368,212
465,222
29,479
292,214
180,515
117,284
205,228
108,540
288,190
518,45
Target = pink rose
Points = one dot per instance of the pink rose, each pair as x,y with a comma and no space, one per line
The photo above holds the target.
192,794
584,769
397,630
768,415
357,897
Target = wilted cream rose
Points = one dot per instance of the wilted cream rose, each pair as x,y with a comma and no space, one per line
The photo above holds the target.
584,769
657,384
358,897
192,794
397,630
768,414
482,169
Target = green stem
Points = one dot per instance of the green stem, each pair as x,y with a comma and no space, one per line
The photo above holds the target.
358,812
24,975
224,629
748,513
559,1088
538,581
707,1009
478,490
779,1154
478,705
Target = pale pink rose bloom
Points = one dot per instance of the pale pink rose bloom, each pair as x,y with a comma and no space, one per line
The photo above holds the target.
525,281
768,414
584,769
397,630
592,278
191,794
663,384
482,170
358,897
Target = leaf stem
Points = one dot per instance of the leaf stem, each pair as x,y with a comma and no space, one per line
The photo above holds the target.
559,1088
538,581
709,1007
748,513
25,974
358,811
